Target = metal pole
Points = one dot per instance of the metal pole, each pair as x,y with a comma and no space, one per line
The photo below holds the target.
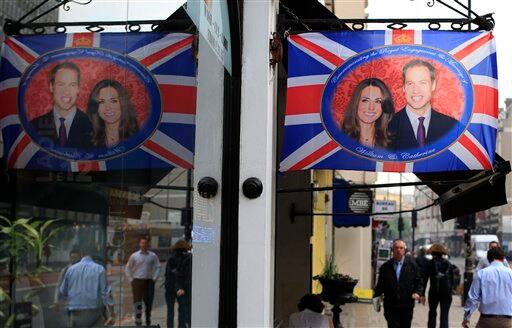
188,205
468,271
400,219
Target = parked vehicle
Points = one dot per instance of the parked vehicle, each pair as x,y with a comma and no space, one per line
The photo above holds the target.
481,244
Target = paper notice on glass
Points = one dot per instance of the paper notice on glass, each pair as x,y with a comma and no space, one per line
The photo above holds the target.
377,302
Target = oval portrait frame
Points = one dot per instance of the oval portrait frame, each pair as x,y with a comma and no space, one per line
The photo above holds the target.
351,145
93,154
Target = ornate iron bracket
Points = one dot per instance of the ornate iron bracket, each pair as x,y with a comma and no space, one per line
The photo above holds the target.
24,26
289,22
16,28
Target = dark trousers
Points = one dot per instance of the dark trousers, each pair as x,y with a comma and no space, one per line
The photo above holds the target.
445,302
184,303
398,317
143,291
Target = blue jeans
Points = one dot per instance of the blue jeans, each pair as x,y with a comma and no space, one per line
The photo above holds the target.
184,303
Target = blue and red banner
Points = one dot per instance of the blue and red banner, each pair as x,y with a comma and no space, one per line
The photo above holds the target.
98,101
395,101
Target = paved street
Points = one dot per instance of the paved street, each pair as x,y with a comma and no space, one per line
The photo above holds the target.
363,315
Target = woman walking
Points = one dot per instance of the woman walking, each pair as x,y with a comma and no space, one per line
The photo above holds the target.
440,272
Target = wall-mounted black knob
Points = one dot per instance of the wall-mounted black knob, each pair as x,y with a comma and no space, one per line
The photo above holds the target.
252,188
207,187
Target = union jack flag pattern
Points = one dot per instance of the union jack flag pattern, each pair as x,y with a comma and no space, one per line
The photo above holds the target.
315,60
166,60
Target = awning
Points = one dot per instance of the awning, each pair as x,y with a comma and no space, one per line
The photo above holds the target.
482,189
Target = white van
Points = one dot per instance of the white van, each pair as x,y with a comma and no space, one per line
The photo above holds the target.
481,244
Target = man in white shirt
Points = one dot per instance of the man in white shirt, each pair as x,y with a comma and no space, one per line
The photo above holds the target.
484,263
142,270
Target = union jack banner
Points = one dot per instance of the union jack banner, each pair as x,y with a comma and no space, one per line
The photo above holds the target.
448,79
153,76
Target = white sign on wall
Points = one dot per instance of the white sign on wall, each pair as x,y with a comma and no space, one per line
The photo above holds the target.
384,206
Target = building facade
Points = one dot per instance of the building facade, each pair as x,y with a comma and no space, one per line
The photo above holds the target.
15,9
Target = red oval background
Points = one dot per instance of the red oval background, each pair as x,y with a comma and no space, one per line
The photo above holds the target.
38,100
448,97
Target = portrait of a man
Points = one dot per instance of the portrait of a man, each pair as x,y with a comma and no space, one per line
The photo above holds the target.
418,124
64,125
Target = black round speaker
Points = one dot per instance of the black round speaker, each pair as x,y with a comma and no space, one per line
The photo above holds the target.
252,188
207,187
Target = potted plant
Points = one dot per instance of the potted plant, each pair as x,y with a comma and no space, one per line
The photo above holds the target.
19,237
337,288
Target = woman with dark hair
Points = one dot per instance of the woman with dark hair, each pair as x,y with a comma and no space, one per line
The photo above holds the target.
111,113
368,114
440,272
310,315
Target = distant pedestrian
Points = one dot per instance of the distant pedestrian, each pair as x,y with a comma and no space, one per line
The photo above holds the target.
86,288
310,313
484,263
492,289
178,284
422,260
440,273
401,283
142,270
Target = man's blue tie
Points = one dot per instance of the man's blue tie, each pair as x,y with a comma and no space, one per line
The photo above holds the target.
398,267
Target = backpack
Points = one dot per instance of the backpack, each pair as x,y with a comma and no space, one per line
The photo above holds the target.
443,275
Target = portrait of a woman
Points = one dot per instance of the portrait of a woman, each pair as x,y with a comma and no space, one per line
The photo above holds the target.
111,113
368,114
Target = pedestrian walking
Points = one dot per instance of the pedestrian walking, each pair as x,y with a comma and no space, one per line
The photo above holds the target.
492,289
422,260
401,283
310,313
142,270
484,263
178,284
87,291
440,273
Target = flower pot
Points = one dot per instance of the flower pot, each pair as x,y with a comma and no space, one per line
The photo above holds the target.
338,291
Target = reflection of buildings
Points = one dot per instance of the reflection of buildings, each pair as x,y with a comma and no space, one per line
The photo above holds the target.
430,226
10,9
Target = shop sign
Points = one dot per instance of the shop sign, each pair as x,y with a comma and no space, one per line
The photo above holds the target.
384,206
397,101
212,19
98,101
352,206
360,201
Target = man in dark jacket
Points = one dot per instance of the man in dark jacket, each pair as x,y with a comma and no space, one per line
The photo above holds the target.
400,281
64,124
178,284
418,124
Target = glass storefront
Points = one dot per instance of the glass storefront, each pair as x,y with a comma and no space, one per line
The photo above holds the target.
126,240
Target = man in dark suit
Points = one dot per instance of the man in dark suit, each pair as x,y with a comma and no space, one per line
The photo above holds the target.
400,282
64,125
418,124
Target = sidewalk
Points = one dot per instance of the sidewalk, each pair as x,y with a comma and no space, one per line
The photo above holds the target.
362,315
